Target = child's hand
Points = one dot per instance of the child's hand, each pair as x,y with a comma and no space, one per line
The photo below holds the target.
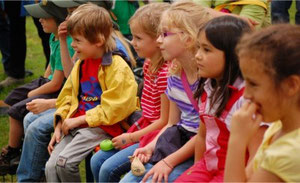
122,140
62,31
72,123
245,122
55,138
144,154
159,172
37,106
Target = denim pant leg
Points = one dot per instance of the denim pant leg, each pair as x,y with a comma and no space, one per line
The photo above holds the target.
30,118
98,159
129,177
279,11
117,165
34,153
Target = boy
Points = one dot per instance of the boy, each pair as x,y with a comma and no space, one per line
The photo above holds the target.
99,93
45,87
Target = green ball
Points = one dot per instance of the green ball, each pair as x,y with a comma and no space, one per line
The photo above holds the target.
106,145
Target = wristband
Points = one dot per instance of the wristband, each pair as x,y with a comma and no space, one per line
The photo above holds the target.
168,164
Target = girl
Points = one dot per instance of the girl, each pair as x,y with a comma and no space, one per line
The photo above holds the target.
220,94
270,63
177,41
110,165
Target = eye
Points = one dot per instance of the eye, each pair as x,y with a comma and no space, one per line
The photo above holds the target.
206,49
251,83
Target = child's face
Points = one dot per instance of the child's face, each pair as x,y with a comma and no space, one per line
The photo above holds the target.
261,90
170,44
84,48
49,25
210,60
144,44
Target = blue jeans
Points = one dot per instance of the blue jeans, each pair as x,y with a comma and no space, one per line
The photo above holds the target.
109,166
37,130
177,171
280,12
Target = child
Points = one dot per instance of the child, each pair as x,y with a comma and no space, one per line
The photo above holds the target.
220,94
108,166
44,87
270,63
179,26
121,44
100,92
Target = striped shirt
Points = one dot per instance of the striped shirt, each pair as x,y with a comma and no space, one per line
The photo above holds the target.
189,118
154,87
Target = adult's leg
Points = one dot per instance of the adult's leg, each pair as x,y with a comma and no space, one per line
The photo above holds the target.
4,40
34,151
117,165
279,11
297,17
16,65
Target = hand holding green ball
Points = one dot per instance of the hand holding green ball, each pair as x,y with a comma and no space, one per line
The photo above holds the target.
106,145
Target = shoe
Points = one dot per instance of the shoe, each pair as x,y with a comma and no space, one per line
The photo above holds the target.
28,73
10,81
9,160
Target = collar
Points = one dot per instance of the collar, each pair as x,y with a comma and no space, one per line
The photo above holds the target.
107,59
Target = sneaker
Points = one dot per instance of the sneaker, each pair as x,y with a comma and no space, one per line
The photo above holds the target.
9,160
10,81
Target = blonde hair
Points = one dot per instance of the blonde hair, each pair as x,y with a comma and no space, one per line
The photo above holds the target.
188,17
93,23
147,18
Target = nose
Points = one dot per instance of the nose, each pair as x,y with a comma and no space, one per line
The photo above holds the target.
159,39
132,42
73,44
198,55
247,94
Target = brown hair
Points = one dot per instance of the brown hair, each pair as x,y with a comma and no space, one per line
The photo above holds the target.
147,18
276,47
93,23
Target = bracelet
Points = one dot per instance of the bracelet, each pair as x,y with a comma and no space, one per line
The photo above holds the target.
168,164
130,137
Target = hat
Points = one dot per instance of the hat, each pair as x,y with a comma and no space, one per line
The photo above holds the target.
47,9
107,4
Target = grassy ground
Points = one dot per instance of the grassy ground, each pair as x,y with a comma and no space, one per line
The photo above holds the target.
35,61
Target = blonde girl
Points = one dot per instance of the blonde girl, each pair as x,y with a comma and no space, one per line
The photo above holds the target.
178,27
270,64
111,165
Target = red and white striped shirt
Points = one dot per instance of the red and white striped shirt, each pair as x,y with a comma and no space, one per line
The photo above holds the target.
154,87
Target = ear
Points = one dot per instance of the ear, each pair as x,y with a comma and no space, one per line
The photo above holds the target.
100,43
291,85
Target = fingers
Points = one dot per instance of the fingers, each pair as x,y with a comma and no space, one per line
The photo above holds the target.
166,177
147,175
51,145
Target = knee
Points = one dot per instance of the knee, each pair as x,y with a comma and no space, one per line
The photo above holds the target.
50,166
27,121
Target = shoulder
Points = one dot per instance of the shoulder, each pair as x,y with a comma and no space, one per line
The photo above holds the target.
282,156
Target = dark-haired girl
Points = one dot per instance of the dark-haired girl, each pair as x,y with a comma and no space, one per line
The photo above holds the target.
220,94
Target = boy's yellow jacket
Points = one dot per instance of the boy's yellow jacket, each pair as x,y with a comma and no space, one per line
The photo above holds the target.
118,99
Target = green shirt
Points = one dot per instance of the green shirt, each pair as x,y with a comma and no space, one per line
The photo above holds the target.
123,11
55,59
253,12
